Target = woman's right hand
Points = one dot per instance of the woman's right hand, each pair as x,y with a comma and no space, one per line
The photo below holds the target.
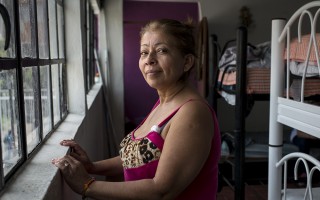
78,153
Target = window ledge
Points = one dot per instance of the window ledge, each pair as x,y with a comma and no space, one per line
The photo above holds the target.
38,179
33,180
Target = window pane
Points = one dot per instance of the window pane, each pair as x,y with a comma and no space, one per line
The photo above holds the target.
55,93
11,51
45,100
60,31
53,29
41,102
31,106
9,121
63,90
42,29
27,28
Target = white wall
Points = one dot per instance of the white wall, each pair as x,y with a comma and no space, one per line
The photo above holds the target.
223,16
114,41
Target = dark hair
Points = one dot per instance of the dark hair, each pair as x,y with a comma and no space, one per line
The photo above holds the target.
183,32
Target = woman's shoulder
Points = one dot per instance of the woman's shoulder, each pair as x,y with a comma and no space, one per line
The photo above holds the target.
196,107
195,115
195,102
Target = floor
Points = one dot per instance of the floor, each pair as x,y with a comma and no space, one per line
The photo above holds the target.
252,192
259,190
256,181
256,186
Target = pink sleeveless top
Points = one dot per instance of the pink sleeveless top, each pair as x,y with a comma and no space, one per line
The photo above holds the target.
140,159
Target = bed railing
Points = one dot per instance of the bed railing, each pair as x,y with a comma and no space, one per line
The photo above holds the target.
301,14
302,158
283,110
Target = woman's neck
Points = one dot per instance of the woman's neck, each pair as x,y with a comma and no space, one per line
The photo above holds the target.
169,95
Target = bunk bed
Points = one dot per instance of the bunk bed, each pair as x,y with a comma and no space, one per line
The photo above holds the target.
244,84
292,112
243,75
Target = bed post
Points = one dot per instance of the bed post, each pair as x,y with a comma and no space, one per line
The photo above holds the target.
214,73
240,111
275,128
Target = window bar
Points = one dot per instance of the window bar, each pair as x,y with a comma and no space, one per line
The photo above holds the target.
38,97
6,20
20,94
49,64
59,64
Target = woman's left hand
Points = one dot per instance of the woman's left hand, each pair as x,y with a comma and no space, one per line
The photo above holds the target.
73,172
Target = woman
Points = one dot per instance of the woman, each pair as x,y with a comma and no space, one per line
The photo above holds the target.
174,152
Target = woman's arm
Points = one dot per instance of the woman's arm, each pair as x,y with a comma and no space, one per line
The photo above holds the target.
110,167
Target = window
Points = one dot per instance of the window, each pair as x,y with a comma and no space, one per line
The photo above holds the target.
32,78
91,70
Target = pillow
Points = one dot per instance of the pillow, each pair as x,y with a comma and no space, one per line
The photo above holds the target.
298,50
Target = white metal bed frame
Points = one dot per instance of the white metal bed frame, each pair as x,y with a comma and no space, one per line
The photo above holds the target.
284,111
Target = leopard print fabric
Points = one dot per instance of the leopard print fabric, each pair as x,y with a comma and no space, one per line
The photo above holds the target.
138,152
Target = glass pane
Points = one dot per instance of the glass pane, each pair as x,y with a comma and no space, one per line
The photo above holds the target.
9,121
53,29
27,28
42,29
11,51
31,106
63,90
45,99
60,31
55,93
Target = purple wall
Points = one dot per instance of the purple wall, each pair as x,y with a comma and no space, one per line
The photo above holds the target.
138,96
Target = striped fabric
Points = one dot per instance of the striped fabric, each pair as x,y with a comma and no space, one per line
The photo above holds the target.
258,80
298,50
312,87
298,53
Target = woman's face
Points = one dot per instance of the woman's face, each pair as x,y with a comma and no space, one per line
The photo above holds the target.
161,63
